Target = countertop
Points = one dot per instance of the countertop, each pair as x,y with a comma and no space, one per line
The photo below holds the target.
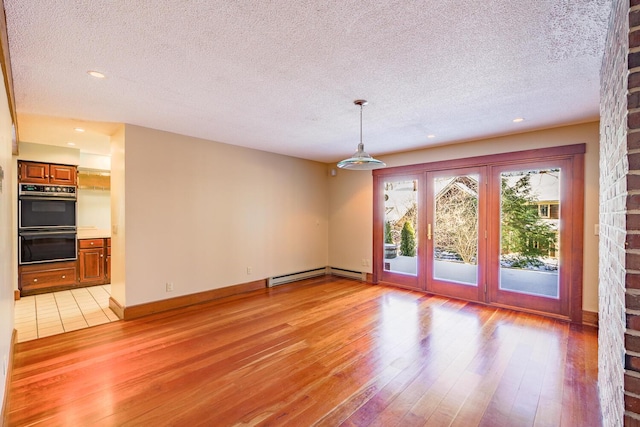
93,233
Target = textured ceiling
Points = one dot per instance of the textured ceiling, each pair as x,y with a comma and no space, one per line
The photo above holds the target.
282,75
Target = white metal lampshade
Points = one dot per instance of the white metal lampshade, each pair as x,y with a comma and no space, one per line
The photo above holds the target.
361,160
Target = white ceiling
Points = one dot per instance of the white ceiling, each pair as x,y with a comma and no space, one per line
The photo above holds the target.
282,75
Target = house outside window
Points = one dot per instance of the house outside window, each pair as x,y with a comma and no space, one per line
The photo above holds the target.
549,210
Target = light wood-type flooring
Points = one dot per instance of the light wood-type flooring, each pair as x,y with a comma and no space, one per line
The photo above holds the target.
325,351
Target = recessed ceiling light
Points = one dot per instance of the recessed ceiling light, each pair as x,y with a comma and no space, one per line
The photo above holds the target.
518,120
431,136
79,130
71,143
96,74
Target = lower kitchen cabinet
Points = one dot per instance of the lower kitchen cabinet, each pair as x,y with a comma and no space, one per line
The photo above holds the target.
47,277
93,267
91,261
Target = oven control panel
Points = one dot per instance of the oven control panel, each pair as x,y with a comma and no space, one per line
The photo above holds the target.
66,191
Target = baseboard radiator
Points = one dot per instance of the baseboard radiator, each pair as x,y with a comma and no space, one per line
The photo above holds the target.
347,273
292,277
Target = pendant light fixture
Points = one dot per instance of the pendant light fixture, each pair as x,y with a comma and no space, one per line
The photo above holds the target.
361,160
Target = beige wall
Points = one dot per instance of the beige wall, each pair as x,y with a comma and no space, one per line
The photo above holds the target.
351,194
200,213
8,261
118,291
49,153
94,208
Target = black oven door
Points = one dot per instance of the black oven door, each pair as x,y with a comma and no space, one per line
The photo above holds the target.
46,212
47,246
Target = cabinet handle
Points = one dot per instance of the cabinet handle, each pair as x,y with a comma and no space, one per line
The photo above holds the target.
64,277
91,243
101,256
35,280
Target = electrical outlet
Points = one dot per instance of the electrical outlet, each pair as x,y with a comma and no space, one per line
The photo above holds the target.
249,270
169,286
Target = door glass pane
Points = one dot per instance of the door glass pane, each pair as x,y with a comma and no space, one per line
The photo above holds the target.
529,238
455,229
401,226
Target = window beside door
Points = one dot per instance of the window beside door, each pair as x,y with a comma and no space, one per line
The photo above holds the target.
528,235
401,226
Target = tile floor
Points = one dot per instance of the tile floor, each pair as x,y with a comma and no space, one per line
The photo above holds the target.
42,315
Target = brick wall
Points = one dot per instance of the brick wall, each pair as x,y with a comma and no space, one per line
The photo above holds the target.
632,239
614,175
619,276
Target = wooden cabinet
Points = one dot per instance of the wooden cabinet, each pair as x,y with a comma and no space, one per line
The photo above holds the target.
47,173
63,174
94,261
47,277
34,172
91,261
93,267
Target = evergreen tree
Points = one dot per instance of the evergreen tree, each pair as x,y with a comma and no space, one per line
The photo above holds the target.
388,238
408,240
524,233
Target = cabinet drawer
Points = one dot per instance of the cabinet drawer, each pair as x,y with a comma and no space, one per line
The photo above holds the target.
48,278
90,243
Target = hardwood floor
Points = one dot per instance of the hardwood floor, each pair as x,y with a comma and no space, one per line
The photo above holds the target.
325,351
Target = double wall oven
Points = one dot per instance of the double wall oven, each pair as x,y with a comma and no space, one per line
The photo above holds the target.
47,223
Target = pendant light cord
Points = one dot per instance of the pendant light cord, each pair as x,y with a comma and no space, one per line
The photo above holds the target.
360,123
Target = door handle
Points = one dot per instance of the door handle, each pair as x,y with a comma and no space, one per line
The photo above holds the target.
429,231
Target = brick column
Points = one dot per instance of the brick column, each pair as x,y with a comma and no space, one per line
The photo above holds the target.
619,252
632,239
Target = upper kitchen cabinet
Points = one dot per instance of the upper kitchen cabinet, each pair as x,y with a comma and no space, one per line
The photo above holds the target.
63,174
47,173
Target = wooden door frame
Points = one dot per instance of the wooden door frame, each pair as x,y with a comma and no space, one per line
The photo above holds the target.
574,153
